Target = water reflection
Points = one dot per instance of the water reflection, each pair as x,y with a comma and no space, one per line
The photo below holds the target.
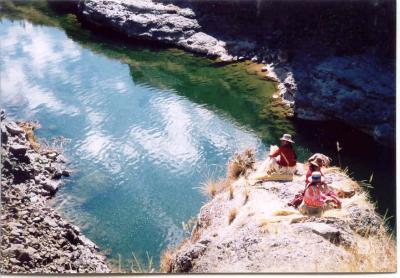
137,150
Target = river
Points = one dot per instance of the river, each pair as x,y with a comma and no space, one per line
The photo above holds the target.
147,126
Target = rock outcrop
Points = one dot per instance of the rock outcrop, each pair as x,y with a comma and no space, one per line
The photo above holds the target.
328,58
250,228
154,21
34,236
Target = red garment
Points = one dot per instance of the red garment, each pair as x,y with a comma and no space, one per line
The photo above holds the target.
298,198
313,196
287,152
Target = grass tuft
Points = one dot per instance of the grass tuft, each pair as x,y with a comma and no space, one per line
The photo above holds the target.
263,225
284,212
231,190
209,188
139,267
166,261
232,215
240,163
246,194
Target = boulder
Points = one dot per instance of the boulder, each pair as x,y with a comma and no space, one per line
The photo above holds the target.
18,149
13,128
23,172
51,186
364,220
151,20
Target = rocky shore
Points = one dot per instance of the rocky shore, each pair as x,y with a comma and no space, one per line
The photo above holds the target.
250,228
34,236
335,72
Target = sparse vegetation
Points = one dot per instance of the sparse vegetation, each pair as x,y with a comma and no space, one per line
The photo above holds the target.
188,226
246,192
240,163
29,128
263,225
166,261
284,212
232,215
209,188
372,254
231,190
138,266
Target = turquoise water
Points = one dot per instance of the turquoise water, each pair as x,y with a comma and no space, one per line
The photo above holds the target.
139,151
147,126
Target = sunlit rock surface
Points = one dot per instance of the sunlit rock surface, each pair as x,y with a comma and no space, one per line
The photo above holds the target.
266,235
154,21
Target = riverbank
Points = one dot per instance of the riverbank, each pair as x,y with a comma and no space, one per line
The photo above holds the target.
35,237
321,81
250,228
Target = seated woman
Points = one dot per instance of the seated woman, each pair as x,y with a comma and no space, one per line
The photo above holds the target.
283,160
313,166
313,201
317,196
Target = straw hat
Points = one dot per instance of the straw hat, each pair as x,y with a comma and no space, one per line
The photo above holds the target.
314,162
287,137
316,177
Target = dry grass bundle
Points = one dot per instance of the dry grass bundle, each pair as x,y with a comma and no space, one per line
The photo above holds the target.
166,261
246,192
232,215
28,128
337,170
240,163
231,190
284,212
374,254
263,225
209,188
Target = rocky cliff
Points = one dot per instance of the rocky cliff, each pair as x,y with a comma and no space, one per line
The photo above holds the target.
34,236
250,228
332,60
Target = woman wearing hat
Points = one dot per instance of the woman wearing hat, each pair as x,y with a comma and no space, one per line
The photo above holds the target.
314,166
317,196
286,162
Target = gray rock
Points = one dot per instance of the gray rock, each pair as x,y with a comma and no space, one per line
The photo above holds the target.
326,231
51,186
357,90
364,220
150,20
18,149
13,128
4,134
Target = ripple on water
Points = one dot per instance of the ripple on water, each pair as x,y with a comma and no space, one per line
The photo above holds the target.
139,150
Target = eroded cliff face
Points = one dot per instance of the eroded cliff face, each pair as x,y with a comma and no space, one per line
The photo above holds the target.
250,228
35,238
332,60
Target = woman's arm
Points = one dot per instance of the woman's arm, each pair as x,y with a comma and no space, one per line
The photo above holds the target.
275,153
